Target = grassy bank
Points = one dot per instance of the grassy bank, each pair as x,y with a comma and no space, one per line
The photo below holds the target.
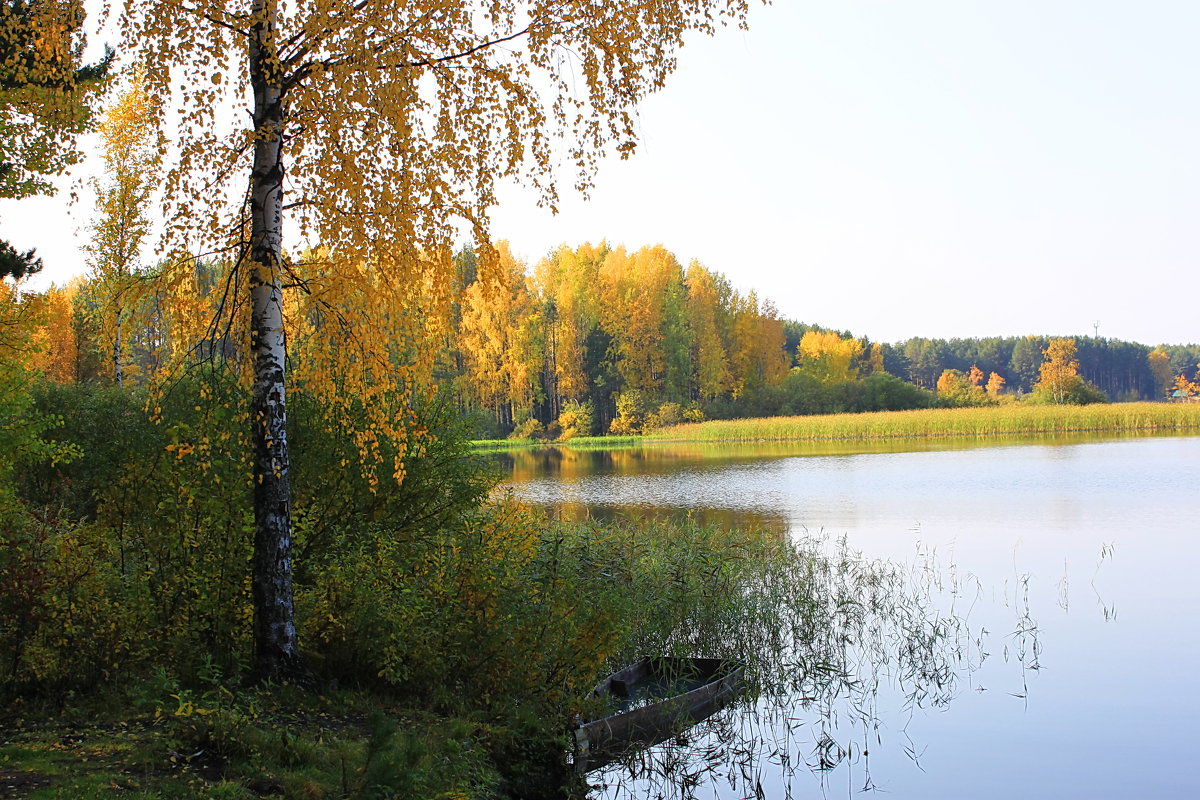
987,421
465,658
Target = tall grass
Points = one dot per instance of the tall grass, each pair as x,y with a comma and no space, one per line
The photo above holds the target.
993,421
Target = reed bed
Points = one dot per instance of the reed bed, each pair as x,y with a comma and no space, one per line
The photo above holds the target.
939,422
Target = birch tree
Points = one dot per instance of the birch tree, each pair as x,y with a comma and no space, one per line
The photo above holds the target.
1060,371
495,339
132,152
704,306
378,128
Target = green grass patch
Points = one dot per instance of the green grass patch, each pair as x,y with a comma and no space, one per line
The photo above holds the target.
989,421
272,741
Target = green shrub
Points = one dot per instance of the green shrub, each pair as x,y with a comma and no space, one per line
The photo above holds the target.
631,414
63,621
139,551
1078,392
109,430
664,415
527,429
575,420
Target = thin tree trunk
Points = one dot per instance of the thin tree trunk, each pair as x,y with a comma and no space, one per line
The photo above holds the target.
117,352
277,655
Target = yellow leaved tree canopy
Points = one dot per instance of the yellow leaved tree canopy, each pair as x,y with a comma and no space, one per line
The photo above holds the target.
377,129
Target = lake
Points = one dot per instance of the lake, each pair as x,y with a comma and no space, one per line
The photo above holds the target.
1070,563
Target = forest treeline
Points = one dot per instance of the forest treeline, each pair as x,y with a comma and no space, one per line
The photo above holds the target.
598,339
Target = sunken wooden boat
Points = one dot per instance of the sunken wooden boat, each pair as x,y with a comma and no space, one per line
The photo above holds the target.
653,700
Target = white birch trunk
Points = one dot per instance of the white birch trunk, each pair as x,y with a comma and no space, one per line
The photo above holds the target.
277,655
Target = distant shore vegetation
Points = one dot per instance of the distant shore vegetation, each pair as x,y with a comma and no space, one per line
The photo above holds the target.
599,340
1013,419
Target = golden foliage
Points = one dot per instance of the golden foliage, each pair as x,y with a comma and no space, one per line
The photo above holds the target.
756,349
1188,389
365,345
995,384
496,334
400,117
132,152
633,307
57,349
1160,367
396,122
1059,371
828,357
43,92
566,281
705,303
956,388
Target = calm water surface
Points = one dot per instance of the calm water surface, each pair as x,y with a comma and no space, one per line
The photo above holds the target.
1092,545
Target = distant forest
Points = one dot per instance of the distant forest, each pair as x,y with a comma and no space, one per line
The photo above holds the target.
621,341
598,339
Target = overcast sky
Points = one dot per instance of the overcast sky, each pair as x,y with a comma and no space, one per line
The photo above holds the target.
903,168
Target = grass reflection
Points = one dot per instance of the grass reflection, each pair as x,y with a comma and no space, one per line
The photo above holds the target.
647,457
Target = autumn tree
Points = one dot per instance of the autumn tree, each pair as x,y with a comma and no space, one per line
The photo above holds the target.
1160,367
828,357
995,385
769,361
872,359
46,97
1188,390
1059,380
956,388
1060,369
707,298
567,282
132,152
383,122
56,349
498,328
641,307
754,342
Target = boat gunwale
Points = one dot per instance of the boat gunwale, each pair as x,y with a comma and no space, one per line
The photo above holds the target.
595,737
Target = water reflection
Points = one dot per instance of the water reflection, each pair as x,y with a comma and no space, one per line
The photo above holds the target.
1050,572
727,517
845,650
567,463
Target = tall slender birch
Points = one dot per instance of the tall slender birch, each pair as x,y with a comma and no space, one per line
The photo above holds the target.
276,648
388,124
132,152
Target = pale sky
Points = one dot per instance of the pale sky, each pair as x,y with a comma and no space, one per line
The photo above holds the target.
904,168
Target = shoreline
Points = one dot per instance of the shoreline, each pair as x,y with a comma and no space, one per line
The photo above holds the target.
938,423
